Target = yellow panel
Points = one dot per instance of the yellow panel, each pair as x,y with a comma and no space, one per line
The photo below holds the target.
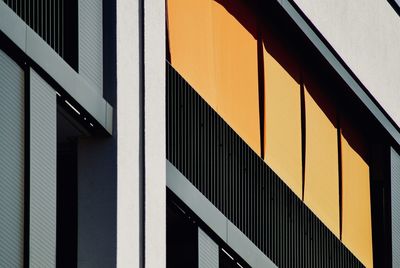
191,45
321,189
236,70
282,123
356,228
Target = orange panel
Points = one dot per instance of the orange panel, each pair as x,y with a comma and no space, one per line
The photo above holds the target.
236,70
282,123
191,45
321,189
356,228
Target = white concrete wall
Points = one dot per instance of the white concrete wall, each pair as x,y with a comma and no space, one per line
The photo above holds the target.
128,134
128,119
155,147
366,34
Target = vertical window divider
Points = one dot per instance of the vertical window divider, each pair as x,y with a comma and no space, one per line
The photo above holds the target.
261,89
303,135
339,141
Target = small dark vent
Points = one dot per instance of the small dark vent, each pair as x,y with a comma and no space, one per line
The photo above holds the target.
55,21
240,184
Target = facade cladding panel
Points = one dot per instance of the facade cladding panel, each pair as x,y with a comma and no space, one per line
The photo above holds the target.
11,162
90,13
208,251
43,146
395,195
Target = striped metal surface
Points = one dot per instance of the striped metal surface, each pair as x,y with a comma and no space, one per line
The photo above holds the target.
43,134
45,17
91,42
395,188
11,162
208,251
239,183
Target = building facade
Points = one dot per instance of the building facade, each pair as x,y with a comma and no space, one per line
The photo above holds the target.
205,133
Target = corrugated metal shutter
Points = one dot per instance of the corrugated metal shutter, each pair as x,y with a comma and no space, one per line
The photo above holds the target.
395,179
91,42
208,251
42,173
11,162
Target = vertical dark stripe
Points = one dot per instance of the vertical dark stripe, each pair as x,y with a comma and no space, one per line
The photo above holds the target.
303,136
340,172
168,50
261,91
142,170
27,160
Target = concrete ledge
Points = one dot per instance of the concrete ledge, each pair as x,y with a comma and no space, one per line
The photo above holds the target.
42,54
214,219
12,26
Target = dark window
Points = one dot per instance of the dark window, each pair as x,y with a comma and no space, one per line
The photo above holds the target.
67,194
182,238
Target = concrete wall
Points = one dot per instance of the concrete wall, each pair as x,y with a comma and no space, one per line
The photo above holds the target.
128,133
130,117
366,34
155,146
